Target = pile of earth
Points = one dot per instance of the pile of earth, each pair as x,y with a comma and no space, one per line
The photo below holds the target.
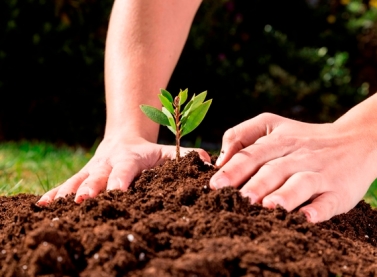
170,223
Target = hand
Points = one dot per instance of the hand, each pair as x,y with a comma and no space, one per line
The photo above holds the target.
287,163
114,166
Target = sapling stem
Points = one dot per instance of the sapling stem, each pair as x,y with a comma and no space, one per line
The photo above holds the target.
177,114
179,123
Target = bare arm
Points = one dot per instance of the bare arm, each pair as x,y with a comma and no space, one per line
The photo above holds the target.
145,40
287,162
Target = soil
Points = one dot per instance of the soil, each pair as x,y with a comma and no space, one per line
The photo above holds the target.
170,223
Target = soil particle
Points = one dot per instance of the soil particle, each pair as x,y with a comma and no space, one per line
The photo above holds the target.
170,223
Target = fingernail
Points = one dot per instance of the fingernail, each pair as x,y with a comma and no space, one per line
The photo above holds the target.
268,204
253,198
272,201
221,182
209,164
45,200
82,195
81,198
114,185
311,214
121,185
219,159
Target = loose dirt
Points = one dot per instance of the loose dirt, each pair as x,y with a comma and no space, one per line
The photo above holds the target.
170,223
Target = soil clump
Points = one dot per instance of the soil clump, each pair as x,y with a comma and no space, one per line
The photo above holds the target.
170,223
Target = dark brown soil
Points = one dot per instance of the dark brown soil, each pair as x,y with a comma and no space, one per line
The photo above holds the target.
169,223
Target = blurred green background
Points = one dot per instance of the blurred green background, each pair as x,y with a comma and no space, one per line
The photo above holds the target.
307,60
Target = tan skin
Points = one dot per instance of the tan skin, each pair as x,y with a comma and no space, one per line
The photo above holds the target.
145,39
287,162
282,161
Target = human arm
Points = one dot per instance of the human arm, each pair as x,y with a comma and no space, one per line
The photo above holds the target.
286,162
144,41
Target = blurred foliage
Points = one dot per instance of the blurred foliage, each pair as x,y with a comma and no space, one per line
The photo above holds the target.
309,60
36,167
51,69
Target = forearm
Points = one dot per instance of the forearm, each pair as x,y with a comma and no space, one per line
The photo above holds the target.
145,39
361,117
360,123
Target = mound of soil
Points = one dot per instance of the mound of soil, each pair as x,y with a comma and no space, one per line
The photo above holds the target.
169,223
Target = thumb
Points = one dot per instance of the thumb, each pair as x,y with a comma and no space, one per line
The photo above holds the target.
245,134
204,156
322,208
169,152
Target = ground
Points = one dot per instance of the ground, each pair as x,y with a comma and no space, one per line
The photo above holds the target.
170,223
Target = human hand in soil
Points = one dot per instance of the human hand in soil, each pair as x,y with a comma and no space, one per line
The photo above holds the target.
114,166
133,75
285,162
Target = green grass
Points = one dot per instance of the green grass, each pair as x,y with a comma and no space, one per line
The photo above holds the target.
371,195
31,167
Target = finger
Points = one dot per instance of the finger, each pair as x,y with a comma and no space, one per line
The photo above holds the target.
48,197
71,185
299,188
169,152
203,155
96,182
245,163
68,187
322,207
270,177
123,174
245,134
275,173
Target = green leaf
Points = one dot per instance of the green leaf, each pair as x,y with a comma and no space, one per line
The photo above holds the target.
172,130
198,100
166,103
187,107
195,117
171,124
167,94
195,102
183,121
155,114
182,96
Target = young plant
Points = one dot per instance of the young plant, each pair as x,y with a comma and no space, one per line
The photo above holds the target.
180,122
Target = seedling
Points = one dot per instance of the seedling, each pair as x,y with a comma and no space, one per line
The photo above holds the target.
179,122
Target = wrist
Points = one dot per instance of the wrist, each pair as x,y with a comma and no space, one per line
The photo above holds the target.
359,127
361,118
132,130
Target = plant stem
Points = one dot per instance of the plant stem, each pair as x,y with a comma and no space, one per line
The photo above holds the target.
177,142
177,128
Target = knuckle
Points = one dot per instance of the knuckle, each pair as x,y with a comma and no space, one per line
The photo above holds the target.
230,135
202,153
308,177
333,205
310,180
266,171
246,155
281,139
53,191
78,177
267,117
259,185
